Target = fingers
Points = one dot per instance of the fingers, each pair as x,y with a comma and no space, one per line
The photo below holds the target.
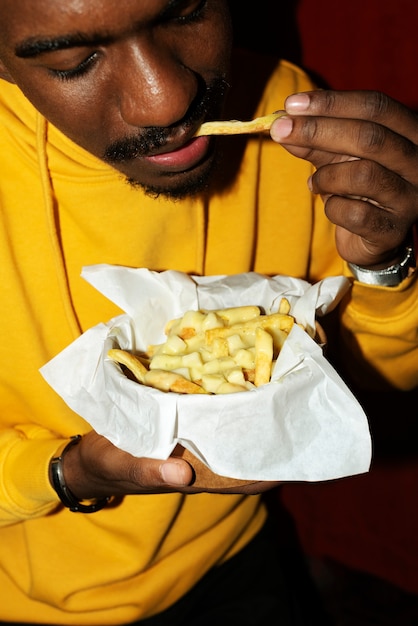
96,468
366,235
379,208
364,148
366,105
324,140
176,473
377,219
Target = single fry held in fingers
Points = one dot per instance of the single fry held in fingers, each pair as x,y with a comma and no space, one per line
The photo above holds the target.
235,127
214,352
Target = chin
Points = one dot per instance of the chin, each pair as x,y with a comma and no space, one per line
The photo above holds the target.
177,186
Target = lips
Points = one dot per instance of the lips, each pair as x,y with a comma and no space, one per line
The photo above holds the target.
184,158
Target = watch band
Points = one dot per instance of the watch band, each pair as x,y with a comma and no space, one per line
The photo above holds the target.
67,498
389,276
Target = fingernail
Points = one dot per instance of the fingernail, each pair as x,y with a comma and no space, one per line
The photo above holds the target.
297,102
173,474
281,128
310,184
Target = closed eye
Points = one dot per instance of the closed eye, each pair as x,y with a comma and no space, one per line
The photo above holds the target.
189,14
77,71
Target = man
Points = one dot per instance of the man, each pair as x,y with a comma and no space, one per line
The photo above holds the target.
99,104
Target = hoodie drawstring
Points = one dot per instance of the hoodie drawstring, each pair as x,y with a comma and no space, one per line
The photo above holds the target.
51,219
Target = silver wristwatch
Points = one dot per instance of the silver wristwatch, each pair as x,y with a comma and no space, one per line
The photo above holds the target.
389,276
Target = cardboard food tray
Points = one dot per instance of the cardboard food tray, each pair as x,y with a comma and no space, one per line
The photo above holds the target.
305,425
204,478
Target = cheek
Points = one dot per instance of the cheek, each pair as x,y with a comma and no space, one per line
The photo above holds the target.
72,110
218,42
207,50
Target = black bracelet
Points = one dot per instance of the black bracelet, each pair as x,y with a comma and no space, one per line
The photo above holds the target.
58,482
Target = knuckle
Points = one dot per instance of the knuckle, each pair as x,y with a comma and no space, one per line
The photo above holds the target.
362,175
371,137
346,212
409,150
328,102
362,218
135,474
311,131
381,221
369,179
376,105
372,181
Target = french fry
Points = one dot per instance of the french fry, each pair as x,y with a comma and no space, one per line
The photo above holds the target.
275,321
284,306
171,381
237,314
235,127
132,362
263,357
219,351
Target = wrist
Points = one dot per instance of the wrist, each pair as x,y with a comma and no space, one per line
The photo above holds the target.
388,276
58,482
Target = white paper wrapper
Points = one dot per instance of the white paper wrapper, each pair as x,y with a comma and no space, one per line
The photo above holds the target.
305,425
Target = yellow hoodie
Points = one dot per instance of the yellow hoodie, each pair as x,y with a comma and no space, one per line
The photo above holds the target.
62,209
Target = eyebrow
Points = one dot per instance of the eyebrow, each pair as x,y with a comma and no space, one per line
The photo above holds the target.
35,46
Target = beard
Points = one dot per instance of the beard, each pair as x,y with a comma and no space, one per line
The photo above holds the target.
192,184
207,105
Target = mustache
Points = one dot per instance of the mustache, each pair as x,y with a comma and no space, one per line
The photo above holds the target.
155,137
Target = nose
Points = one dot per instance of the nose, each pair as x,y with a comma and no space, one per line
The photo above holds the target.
154,88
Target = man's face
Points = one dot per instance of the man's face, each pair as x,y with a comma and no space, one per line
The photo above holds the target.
130,81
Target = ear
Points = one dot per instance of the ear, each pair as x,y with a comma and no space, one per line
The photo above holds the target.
4,73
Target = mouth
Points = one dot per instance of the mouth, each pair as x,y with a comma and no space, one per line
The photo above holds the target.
183,158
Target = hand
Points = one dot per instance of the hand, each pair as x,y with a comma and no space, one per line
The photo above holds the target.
365,148
95,468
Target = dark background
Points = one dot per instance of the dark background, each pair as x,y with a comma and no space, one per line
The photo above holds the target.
356,44
366,523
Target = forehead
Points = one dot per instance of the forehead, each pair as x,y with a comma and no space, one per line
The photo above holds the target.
25,19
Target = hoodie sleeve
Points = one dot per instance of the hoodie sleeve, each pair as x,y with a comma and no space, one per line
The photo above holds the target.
25,490
380,333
